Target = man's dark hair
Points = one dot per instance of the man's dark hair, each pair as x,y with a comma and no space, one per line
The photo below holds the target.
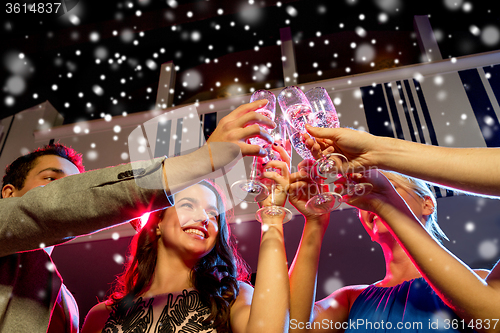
16,172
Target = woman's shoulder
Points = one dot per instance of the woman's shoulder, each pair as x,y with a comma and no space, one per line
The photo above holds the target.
102,308
345,296
337,305
355,291
483,273
245,286
245,293
97,317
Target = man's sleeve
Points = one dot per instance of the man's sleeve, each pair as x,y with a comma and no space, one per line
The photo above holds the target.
81,204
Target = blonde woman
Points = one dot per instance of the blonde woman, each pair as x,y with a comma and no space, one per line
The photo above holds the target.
423,283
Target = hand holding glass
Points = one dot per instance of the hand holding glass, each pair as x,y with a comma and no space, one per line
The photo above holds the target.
330,167
281,142
298,111
253,190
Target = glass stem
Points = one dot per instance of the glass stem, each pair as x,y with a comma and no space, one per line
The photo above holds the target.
253,172
320,197
351,189
273,187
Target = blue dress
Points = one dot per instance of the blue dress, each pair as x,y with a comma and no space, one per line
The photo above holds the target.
411,306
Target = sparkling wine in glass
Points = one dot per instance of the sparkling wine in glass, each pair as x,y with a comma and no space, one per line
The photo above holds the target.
330,167
252,189
327,168
298,112
298,143
280,138
269,110
296,107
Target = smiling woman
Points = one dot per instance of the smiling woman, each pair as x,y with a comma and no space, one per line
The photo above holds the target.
186,275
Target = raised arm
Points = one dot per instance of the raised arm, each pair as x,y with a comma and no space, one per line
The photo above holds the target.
468,169
87,202
266,308
304,269
226,145
464,291
79,204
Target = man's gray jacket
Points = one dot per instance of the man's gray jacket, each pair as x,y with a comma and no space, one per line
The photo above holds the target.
50,215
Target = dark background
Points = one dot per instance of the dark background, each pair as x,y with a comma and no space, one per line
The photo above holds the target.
87,71
216,45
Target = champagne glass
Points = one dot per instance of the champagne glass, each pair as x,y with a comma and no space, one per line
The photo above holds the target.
280,138
298,113
324,202
296,107
330,167
253,190
268,110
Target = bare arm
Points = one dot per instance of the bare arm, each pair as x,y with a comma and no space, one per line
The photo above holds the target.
267,308
84,203
468,169
464,291
303,271
224,148
79,204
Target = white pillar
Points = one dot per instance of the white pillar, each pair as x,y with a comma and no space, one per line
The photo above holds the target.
288,57
166,86
426,39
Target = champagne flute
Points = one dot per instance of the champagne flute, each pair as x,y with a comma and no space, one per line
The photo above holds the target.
327,167
331,167
280,138
324,201
253,190
298,113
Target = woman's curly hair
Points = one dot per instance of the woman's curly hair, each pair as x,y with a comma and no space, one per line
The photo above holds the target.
216,276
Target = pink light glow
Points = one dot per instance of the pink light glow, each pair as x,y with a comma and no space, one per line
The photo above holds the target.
144,219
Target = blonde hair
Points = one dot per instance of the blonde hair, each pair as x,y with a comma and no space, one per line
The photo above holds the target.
420,188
